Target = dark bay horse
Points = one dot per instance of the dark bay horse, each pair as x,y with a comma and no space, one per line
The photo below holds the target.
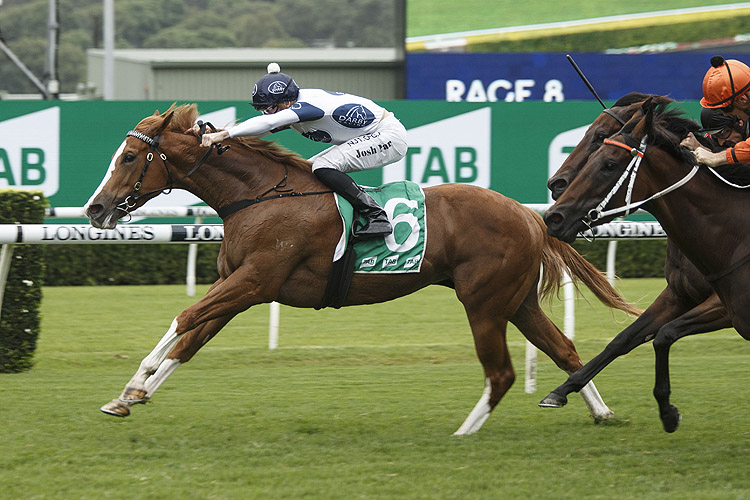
703,216
687,306
487,247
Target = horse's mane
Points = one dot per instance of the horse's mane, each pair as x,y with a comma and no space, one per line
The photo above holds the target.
637,97
670,126
185,116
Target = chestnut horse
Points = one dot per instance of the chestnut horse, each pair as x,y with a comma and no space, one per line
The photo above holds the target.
487,247
687,306
703,216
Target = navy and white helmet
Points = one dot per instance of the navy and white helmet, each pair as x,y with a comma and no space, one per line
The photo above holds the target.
274,88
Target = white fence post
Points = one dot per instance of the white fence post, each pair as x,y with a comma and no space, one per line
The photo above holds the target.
192,257
5,256
273,326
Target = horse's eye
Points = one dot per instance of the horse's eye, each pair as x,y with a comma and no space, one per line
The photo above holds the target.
128,157
600,136
609,166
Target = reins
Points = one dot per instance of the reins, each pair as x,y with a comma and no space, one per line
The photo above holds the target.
282,193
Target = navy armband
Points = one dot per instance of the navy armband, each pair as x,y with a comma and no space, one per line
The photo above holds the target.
307,112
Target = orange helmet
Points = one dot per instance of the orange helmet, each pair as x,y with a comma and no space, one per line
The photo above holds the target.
725,80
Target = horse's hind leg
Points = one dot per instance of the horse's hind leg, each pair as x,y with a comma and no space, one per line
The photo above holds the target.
547,337
489,339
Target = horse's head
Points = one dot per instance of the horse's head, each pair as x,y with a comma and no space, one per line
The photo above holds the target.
601,176
606,124
138,172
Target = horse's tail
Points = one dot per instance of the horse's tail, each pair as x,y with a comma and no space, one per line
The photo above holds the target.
558,256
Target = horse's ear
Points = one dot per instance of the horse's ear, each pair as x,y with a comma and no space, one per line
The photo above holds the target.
167,119
647,107
648,104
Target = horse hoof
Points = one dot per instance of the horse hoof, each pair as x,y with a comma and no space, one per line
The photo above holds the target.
553,400
671,419
133,396
116,408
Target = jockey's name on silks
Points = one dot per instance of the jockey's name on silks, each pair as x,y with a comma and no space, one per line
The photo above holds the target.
400,252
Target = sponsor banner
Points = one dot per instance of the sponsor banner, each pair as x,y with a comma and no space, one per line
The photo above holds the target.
549,77
123,233
64,149
625,230
214,233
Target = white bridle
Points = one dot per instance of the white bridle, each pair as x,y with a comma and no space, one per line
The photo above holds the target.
632,171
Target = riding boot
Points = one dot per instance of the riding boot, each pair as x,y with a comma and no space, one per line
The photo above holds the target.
377,221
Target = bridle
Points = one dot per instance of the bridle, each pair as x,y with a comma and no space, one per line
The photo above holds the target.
133,198
630,171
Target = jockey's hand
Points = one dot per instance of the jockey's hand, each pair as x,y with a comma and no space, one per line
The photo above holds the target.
194,130
710,159
209,139
690,142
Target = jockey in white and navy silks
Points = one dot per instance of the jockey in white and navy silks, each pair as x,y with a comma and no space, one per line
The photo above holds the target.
363,135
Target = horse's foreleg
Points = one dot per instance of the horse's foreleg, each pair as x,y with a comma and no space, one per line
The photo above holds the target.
709,316
135,391
643,329
199,323
159,365
188,345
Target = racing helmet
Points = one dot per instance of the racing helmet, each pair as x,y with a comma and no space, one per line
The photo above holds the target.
714,120
725,80
274,88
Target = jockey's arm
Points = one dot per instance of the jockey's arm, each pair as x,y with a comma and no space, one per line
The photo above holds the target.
710,159
258,126
740,153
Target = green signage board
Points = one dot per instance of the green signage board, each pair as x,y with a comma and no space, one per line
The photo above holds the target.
64,148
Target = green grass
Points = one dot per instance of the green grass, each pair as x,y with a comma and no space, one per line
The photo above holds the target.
357,403
431,17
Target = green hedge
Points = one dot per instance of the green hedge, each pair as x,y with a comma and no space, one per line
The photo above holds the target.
123,264
19,319
634,259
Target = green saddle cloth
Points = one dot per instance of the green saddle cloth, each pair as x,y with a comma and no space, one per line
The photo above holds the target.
400,252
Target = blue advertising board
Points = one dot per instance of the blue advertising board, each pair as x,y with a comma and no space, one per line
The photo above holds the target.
549,77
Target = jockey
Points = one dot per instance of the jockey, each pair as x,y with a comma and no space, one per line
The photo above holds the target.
364,136
726,87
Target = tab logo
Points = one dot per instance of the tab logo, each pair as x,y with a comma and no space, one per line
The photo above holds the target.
456,149
412,261
391,261
30,152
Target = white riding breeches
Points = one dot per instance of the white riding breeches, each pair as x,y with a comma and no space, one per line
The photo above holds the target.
382,147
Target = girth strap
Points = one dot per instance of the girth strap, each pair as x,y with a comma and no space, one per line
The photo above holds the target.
717,276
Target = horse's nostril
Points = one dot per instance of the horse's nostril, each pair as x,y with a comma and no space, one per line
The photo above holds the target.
94,209
557,187
553,219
